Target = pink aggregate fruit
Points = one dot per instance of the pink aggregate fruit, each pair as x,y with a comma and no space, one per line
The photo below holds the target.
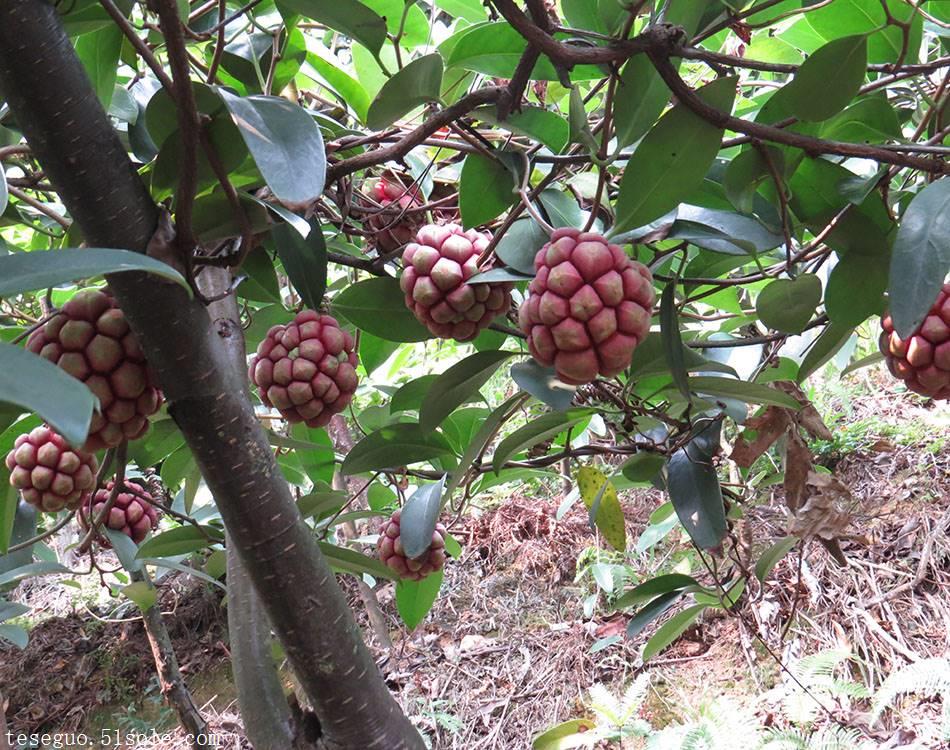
436,270
131,514
49,473
922,360
91,340
588,308
392,555
393,227
306,369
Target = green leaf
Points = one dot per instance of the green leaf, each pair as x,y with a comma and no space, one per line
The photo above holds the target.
378,306
305,261
694,488
671,160
348,16
485,190
410,396
31,570
544,427
315,504
374,351
787,305
869,120
543,383
640,99
569,734
651,611
539,124
672,342
99,53
750,393
829,79
16,635
770,558
180,541
4,195
722,231
520,244
40,386
830,341
670,630
921,259
285,142
9,610
416,84
419,516
643,467
351,561
393,447
414,599
600,497
9,500
346,87
855,290
654,587
23,272
162,439
457,385
143,594
745,173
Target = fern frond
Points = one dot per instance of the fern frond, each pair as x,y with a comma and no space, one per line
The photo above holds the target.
925,677
633,696
605,705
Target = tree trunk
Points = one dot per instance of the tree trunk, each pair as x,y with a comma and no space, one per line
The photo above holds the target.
4,740
170,680
47,90
268,722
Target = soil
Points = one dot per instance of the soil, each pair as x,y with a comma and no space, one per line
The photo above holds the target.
507,651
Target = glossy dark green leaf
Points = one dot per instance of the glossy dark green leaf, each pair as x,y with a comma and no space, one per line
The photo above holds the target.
416,84
378,306
539,124
651,611
694,488
374,351
348,16
745,173
787,305
40,386
315,504
414,599
9,610
831,339
419,516
520,244
771,557
855,290
654,587
499,274
829,79
99,53
544,427
457,385
921,259
643,467
640,98
347,88
410,396
543,383
485,190
670,630
285,142
16,635
350,561
393,447
672,342
179,541
750,393
723,231
671,160
24,272
305,261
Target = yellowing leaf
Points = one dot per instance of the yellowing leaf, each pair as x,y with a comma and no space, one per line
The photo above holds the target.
595,487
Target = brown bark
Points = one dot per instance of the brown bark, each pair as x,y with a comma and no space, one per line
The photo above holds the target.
49,94
4,743
170,680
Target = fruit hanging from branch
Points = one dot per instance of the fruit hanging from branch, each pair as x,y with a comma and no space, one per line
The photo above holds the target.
436,271
922,360
49,473
306,369
588,308
132,513
91,340
392,555
394,227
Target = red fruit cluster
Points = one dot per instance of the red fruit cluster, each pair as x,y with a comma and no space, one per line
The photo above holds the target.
91,340
588,308
131,514
49,473
436,270
392,555
922,360
306,369
394,228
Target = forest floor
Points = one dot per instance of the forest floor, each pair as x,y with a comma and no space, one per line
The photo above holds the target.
507,651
